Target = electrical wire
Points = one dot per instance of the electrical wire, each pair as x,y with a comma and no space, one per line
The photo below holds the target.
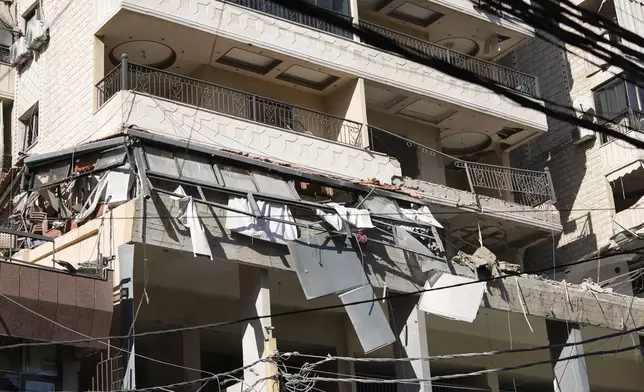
475,373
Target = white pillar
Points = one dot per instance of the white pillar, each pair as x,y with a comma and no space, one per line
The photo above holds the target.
493,382
346,349
255,299
411,331
569,375
191,358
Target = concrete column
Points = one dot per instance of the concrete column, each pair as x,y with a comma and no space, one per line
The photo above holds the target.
411,341
191,358
346,349
493,382
569,375
255,299
71,367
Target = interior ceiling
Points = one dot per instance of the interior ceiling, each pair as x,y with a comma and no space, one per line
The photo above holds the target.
472,32
449,119
147,39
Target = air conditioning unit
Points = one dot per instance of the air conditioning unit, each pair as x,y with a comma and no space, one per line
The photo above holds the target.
584,110
37,35
19,53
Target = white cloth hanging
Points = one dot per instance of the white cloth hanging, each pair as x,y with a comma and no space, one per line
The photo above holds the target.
360,218
263,229
189,217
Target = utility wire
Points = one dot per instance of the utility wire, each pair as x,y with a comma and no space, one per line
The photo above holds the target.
307,310
476,373
470,355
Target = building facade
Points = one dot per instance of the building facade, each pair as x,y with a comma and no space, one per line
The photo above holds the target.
229,160
597,177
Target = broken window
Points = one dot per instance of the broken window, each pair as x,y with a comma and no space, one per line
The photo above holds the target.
52,173
110,158
628,186
196,168
383,207
161,161
274,185
29,121
237,178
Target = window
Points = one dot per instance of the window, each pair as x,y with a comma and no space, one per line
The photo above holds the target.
29,121
611,99
30,369
31,17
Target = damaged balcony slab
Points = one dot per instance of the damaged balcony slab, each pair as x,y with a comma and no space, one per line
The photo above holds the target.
542,218
541,298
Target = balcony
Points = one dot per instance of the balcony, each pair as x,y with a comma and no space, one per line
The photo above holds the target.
504,76
176,105
524,187
279,11
618,153
217,116
272,31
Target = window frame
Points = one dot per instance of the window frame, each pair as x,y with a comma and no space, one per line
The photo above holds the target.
30,121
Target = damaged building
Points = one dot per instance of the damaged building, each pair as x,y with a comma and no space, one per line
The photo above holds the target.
192,235
204,162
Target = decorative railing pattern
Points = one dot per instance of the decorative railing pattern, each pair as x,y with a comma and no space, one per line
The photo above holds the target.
278,10
504,76
623,123
4,55
527,187
228,101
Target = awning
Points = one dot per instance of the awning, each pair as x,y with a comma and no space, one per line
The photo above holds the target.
80,303
617,174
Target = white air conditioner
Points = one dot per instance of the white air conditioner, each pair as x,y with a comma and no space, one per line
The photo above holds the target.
37,35
584,110
19,53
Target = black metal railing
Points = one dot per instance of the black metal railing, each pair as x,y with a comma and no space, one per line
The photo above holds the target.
527,187
5,58
231,102
626,121
275,9
504,76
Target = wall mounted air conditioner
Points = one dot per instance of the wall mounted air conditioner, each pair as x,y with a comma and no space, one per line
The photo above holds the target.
584,110
37,35
19,53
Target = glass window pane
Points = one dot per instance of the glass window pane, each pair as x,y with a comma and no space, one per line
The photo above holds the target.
41,360
273,185
161,161
611,100
56,172
383,207
196,168
9,383
237,178
39,386
109,158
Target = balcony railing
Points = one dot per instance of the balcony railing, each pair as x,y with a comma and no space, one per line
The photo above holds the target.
527,187
623,123
504,76
387,387
4,54
275,9
231,102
